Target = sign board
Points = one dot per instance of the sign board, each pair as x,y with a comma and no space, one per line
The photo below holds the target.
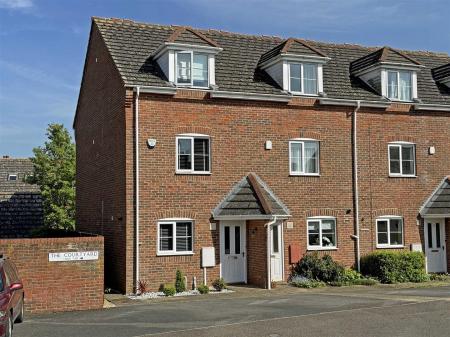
73,256
208,257
416,247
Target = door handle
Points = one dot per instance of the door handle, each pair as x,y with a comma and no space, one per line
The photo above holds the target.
243,254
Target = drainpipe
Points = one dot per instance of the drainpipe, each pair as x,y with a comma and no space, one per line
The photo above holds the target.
269,251
136,165
355,185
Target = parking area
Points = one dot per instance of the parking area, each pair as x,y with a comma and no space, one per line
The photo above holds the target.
285,311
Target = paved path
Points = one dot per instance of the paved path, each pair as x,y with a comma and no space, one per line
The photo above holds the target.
361,311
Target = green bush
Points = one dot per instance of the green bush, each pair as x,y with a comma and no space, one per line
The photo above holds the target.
324,269
203,289
169,290
180,286
219,284
395,267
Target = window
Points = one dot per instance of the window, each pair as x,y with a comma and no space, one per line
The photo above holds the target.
193,154
304,157
303,78
399,85
321,233
12,177
175,237
402,160
389,232
192,69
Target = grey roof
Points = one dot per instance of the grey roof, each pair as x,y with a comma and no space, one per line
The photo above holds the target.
19,166
250,197
442,72
132,45
292,47
439,202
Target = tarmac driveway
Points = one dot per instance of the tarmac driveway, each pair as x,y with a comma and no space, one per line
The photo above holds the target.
285,311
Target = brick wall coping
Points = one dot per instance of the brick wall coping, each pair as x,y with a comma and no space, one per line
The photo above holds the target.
53,240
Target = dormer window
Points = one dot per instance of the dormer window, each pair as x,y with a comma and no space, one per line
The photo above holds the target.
399,85
303,78
192,69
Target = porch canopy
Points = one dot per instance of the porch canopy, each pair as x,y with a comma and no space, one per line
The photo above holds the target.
250,199
438,204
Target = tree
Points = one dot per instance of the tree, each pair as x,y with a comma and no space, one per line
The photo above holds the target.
54,173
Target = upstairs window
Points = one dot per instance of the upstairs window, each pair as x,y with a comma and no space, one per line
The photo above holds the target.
402,160
304,157
193,154
303,78
12,177
399,85
389,232
192,69
175,237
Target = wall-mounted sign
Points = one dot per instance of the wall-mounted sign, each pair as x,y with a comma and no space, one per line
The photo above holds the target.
73,256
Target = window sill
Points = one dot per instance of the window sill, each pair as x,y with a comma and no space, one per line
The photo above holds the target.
293,174
390,247
321,248
174,253
193,173
402,176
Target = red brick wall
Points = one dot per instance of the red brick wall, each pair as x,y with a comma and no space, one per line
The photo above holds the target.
57,286
100,127
257,253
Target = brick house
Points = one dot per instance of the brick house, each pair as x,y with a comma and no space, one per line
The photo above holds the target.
20,202
261,147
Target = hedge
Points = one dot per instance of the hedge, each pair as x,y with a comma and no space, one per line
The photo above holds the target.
395,267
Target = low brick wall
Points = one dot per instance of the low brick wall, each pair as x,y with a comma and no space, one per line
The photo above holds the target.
57,286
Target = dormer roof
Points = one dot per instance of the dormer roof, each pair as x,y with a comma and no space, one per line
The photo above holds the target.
293,47
188,35
441,74
385,55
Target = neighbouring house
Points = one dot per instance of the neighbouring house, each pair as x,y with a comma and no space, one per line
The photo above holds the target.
261,147
20,202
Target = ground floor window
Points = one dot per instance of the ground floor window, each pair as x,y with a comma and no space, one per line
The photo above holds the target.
321,233
175,237
389,232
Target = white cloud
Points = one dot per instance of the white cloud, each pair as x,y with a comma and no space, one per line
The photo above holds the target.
16,4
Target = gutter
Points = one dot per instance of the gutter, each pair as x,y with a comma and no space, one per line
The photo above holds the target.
432,107
352,102
269,251
136,181
153,89
355,185
250,96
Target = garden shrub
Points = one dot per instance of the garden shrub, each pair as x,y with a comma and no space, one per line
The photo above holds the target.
169,290
395,267
180,286
219,284
303,282
324,269
203,289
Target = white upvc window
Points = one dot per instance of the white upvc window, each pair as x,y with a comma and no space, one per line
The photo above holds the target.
193,154
191,69
402,159
322,233
400,85
390,232
175,237
303,78
304,157
12,177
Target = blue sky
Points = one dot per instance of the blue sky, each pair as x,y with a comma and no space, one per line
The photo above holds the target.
43,43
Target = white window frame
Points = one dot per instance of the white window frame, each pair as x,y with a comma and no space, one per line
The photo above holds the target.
174,251
400,145
320,219
191,137
412,90
388,218
302,142
13,175
302,78
191,52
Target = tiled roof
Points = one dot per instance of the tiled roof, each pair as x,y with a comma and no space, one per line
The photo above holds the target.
441,72
249,198
19,166
294,47
190,36
439,202
132,44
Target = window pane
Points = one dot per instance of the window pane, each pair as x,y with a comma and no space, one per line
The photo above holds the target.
184,154
310,78
275,248
405,86
407,167
237,240
201,154
295,77
396,231
313,233
396,239
328,233
166,237
430,235
227,239
296,157
184,236
408,159
438,235
383,238
311,157
382,232
200,70
184,68
392,85
394,155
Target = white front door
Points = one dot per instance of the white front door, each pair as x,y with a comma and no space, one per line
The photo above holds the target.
276,257
435,249
233,259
